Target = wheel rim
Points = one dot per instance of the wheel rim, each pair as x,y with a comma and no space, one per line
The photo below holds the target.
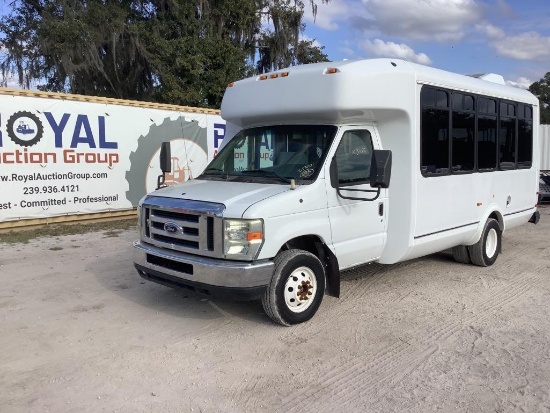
491,243
300,289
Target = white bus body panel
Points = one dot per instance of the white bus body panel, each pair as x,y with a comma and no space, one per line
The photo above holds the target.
423,214
294,213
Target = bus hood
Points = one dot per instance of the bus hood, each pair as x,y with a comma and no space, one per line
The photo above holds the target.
236,196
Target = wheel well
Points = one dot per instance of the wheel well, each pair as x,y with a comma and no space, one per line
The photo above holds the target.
495,215
306,242
316,246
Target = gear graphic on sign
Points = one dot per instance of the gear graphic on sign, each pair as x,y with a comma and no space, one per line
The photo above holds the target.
149,145
24,128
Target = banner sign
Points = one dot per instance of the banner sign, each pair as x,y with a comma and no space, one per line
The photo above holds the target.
60,157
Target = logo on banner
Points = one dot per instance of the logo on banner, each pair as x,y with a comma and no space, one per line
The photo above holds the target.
71,132
24,128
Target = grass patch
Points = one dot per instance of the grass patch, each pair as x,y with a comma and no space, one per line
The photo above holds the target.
57,230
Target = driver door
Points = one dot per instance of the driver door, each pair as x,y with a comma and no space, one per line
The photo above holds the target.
358,226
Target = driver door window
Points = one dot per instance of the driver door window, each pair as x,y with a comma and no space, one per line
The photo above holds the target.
353,157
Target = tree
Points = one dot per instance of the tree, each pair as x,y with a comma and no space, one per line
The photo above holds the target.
176,51
541,89
280,46
308,52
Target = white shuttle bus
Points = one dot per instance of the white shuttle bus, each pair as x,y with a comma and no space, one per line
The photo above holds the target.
302,190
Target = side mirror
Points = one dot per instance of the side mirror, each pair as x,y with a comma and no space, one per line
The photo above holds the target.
165,163
380,169
165,157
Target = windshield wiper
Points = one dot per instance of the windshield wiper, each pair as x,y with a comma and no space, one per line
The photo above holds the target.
212,172
266,174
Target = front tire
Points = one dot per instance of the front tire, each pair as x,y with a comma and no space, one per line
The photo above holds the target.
485,252
296,289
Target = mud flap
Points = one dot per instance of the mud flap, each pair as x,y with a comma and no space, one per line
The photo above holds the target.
333,273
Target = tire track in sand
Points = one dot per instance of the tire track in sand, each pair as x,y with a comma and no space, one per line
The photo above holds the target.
355,284
354,381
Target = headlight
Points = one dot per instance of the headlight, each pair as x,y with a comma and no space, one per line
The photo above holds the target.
242,238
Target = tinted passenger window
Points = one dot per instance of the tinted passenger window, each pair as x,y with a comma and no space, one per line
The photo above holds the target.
435,131
525,136
507,143
463,142
462,133
435,141
486,143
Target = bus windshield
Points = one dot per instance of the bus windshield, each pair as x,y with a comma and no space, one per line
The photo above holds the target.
273,154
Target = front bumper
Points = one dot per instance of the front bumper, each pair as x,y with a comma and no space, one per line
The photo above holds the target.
216,277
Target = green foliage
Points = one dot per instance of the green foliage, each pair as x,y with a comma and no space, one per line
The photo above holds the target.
176,51
541,89
308,52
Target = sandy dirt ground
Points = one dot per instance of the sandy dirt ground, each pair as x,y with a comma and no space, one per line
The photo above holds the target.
80,331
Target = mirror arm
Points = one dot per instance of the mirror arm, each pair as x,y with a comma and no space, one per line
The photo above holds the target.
359,190
160,181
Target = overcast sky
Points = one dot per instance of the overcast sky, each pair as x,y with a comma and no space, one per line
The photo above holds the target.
508,37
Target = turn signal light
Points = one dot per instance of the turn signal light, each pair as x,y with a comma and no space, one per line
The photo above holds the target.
253,236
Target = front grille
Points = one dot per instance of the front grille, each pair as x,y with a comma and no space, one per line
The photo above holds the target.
175,241
182,225
210,229
177,215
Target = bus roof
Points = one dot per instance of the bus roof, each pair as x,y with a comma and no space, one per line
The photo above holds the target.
349,90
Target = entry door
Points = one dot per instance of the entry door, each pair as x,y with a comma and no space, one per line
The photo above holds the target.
358,227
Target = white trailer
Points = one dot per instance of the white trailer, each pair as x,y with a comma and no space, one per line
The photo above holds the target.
302,191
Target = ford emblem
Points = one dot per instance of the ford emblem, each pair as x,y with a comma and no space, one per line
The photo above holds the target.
172,228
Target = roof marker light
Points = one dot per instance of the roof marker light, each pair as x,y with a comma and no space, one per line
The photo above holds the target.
273,75
231,84
262,77
331,70
284,74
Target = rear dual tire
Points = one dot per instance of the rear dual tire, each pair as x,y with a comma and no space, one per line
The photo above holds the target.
460,254
484,252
